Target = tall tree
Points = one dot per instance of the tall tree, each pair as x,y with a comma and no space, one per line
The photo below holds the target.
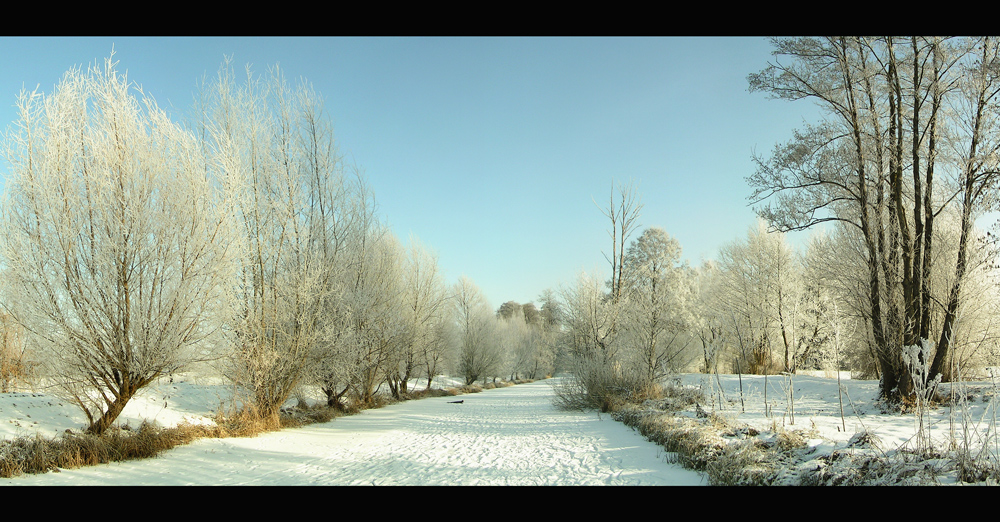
624,217
115,246
282,171
657,294
884,96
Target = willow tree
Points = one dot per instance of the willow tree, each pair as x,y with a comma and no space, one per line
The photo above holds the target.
274,154
116,250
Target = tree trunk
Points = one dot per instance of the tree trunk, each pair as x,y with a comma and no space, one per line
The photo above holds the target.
108,417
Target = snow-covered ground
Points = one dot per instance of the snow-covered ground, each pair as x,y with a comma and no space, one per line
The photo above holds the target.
817,407
505,436
966,422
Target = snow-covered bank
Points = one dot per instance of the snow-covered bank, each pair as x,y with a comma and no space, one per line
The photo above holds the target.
506,436
797,433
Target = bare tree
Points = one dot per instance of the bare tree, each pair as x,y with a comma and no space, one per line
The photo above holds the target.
116,249
425,298
479,351
624,217
282,171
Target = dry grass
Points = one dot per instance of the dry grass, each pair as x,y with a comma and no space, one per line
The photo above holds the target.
73,449
728,454
744,463
434,392
693,446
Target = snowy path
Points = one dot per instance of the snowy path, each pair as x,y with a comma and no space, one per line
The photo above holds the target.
508,436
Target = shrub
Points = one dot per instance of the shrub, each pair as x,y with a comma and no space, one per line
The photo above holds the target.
743,463
595,384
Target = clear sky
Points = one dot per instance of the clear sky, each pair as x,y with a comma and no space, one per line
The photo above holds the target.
492,150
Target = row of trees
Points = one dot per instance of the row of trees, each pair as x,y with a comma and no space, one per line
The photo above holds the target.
910,140
517,341
761,307
135,246
904,162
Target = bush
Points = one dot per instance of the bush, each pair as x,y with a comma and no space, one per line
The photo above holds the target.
593,384
743,463
433,392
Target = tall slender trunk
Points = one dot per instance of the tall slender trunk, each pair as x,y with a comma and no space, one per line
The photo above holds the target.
972,184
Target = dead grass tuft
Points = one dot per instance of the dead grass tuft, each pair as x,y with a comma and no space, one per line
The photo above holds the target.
73,449
434,392
470,388
742,463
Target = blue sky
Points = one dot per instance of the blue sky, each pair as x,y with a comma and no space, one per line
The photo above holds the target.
492,150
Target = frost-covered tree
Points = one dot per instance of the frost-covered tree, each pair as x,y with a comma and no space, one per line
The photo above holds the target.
437,355
374,296
528,345
910,132
425,307
596,344
657,293
509,310
479,354
15,362
276,159
591,320
759,289
115,245
344,216
550,317
708,320
531,313
816,308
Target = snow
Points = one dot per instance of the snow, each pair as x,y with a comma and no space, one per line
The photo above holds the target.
967,419
504,436
816,406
